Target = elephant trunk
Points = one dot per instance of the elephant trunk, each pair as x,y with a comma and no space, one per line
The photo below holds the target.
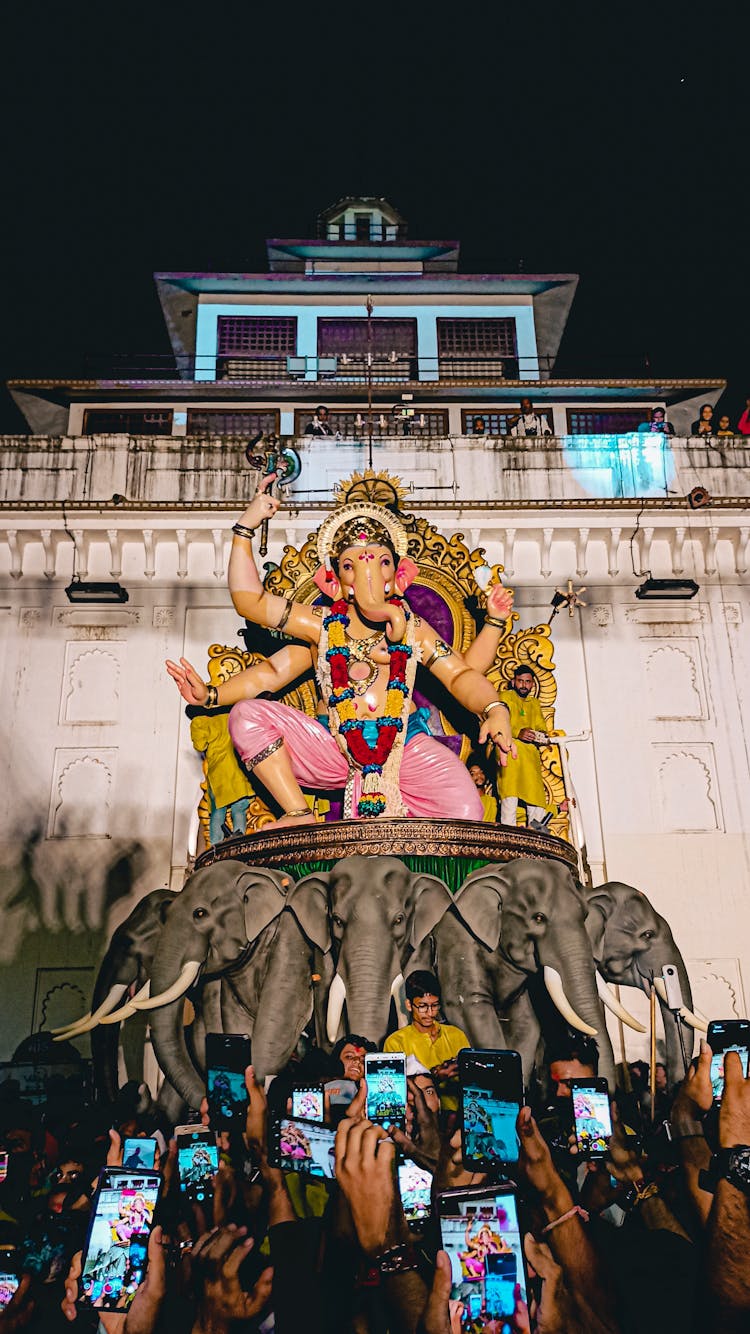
367,991
574,992
167,1019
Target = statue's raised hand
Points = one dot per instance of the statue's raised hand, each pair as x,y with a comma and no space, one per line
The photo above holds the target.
191,687
263,505
499,602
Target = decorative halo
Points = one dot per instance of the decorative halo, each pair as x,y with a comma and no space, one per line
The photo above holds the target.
345,514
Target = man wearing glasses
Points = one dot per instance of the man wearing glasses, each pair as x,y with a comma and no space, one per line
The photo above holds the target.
435,1045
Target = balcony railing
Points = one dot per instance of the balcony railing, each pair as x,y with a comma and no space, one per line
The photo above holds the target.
378,368
365,231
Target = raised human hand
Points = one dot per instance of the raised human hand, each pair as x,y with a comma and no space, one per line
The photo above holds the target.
535,1159
553,1314
263,505
150,1293
216,1260
500,602
695,1095
365,1173
193,690
441,1315
451,1173
423,1142
734,1114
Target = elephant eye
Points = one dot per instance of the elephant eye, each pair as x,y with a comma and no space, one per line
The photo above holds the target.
539,917
398,919
337,921
199,913
647,935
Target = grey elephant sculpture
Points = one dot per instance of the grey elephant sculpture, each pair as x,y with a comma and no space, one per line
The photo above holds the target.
505,924
631,942
123,974
380,913
245,944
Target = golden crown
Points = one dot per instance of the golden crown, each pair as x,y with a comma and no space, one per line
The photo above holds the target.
360,525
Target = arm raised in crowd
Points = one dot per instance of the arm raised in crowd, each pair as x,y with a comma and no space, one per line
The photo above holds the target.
728,1237
694,1099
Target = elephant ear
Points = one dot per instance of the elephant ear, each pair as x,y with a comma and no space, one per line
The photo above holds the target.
479,903
264,898
308,900
431,899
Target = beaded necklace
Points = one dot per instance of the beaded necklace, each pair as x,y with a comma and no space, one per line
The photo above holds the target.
370,759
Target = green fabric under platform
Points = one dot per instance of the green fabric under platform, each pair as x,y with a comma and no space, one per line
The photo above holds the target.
451,870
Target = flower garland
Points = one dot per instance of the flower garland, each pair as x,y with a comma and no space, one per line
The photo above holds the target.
371,759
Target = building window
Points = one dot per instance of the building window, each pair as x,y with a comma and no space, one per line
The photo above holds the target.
255,335
384,422
210,421
601,422
108,421
393,344
477,349
488,421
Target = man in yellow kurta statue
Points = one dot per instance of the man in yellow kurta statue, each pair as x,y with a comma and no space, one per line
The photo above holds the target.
521,779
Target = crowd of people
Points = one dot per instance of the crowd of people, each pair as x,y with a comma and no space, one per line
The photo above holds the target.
654,1234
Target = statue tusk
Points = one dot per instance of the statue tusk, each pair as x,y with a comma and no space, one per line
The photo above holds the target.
186,979
660,989
89,1021
553,983
127,1010
689,1017
336,998
398,993
609,999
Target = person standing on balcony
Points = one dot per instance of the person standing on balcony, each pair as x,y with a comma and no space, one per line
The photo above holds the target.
320,424
743,425
657,422
725,431
530,423
704,424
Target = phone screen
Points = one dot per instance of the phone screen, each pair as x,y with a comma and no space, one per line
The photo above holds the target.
727,1035
304,1146
115,1255
386,1088
227,1057
197,1161
8,1285
308,1104
139,1155
415,1188
591,1114
492,1096
3,1164
481,1233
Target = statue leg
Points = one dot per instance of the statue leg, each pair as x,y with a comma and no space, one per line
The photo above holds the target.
285,748
435,783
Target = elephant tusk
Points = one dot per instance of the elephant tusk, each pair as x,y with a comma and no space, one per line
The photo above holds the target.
89,1021
660,989
608,998
553,983
398,993
336,998
71,1028
186,979
127,1010
694,1020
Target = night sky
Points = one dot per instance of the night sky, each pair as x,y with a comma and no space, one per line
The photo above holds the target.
611,141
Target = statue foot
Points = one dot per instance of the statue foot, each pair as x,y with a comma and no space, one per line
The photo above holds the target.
295,817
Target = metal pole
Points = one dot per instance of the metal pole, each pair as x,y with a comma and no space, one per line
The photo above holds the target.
369,309
652,1053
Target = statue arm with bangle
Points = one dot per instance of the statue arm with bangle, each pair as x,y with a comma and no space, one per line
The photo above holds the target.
245,585
268,677
470,688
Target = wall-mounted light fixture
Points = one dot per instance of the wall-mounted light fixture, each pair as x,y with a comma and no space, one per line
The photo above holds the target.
91,592
667,590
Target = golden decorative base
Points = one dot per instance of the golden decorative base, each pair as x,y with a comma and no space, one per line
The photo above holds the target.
401,837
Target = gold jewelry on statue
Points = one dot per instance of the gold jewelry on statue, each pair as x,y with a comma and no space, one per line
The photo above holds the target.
440,650
305,810
212,698
359,651
241,530
494,704
286,613
493,620
360,525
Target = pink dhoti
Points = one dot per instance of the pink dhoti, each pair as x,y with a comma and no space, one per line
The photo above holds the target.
432,779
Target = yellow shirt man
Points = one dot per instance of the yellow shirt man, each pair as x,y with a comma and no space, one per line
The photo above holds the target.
434,1045
521,779
430,1050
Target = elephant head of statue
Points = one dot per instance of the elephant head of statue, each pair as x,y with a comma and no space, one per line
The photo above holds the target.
380,912
631,943
253,923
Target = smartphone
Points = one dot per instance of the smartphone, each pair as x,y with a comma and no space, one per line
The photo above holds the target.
672,986
385,1073
3,1164
302,1146
114,1257
481,1232
139,1155
491,1098
197,1160
591,1116
307,1104
8,1277
415,1188
227,1057
727,1035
